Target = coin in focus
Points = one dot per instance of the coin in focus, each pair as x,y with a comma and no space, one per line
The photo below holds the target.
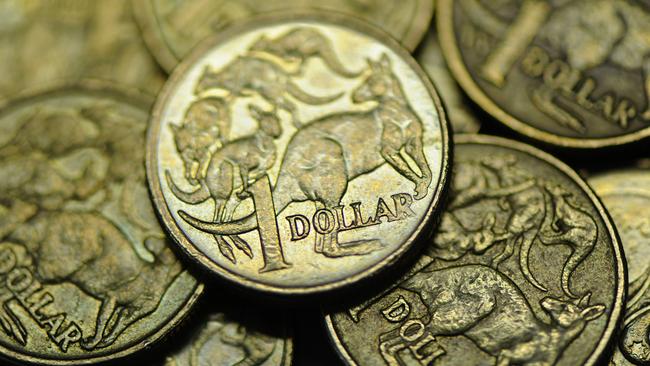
46,41
86,271
172,28
247,337
458,106
298,177
525,268
569,73
626,194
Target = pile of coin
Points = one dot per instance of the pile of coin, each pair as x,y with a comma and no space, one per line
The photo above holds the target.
231,182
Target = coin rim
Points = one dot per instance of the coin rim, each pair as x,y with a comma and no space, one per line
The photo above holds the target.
256,23
155,40
138,99
620,272
451,51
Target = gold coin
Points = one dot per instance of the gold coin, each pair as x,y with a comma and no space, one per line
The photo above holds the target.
568,73
626,194
86,272
44,41
243,337
298,167
461,116
172,28
525,268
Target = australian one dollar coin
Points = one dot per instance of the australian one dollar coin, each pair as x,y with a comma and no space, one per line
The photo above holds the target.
49,41
569,73
626,194
86,272
525,268
172,27
241,337
298,155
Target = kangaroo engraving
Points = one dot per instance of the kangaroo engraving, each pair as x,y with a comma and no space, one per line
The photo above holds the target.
81,248
489,309
246,75
252,156
324,155
609,31
537,211
571,226
300,44
205,127
614,31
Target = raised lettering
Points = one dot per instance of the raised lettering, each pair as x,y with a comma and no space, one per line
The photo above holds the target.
71,334
397,311
299,226
383,211
267,226
19,279
7,260
403,202
324,221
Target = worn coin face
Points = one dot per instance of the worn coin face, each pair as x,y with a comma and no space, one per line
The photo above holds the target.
172,28
524,269
460,114
86,273
626,194
42,41
298,167
569,73
244,338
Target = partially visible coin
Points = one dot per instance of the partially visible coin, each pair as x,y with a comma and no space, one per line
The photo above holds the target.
298,167
86,273
244,338
459,112
172,28
524,269
626,194
569,73
42,41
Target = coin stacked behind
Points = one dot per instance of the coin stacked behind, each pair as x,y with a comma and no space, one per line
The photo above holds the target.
297,171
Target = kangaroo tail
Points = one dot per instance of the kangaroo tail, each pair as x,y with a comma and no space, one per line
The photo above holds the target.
335,64
241,226
304,97
198,196
524,252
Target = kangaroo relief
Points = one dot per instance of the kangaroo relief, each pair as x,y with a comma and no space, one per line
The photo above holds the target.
354,178
584,66
82,255
509,277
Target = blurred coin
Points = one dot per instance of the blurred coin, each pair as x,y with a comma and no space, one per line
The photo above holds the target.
524,269
86,273
248,338
46,40
172,28
626,194
568,73
296,155
458,105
